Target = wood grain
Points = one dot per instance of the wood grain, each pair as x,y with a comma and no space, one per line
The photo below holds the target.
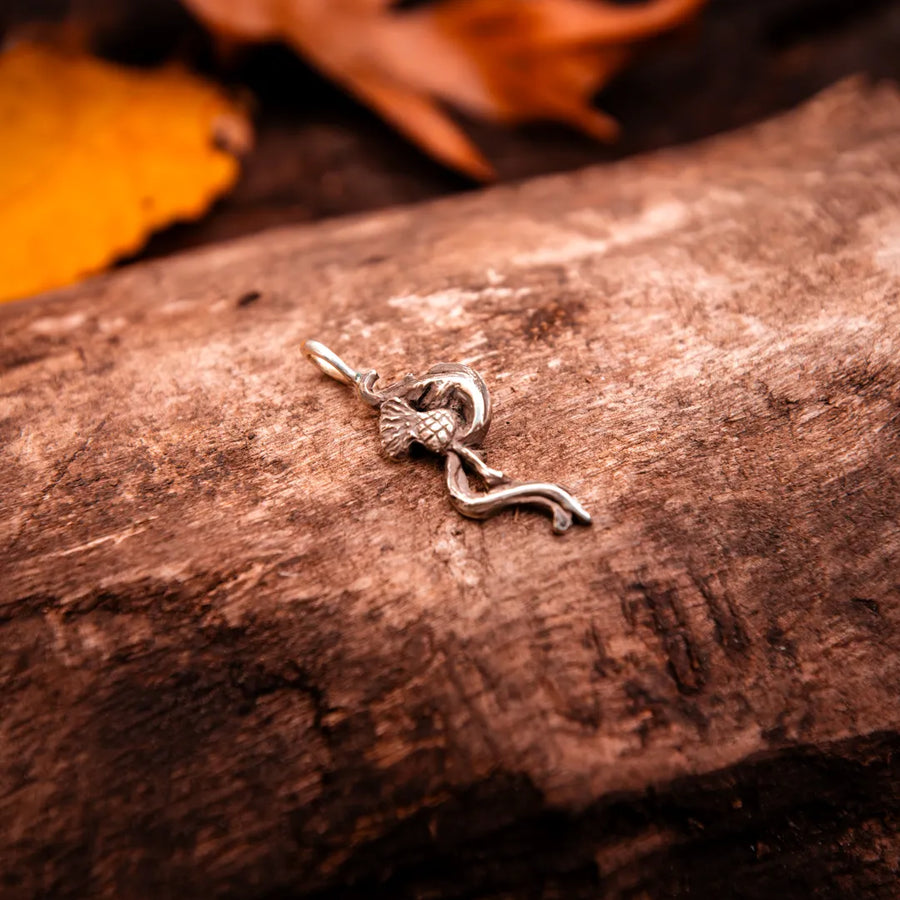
245,655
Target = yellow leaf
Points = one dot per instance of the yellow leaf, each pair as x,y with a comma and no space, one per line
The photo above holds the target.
508,60
94,157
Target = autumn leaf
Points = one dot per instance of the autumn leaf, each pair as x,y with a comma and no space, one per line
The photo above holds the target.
507,60
94,157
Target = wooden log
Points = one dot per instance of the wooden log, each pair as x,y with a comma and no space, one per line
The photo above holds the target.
245,655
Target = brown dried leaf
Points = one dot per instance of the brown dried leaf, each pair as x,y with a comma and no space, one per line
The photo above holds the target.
506,60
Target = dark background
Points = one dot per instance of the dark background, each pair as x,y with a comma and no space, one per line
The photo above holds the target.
319,153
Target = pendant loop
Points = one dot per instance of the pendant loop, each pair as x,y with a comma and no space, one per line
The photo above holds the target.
331,364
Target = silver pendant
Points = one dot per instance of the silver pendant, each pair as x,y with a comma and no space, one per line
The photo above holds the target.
448,411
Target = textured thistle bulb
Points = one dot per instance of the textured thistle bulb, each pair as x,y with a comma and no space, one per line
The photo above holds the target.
401,426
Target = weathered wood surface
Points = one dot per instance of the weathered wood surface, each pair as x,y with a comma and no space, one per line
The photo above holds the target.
244,655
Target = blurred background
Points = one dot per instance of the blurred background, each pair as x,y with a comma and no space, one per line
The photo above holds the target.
317,152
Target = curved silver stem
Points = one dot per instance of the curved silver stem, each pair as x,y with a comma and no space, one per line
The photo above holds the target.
561,505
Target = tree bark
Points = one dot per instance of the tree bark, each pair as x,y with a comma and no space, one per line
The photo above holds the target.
245,655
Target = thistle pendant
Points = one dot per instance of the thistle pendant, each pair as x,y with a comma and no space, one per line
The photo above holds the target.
448,411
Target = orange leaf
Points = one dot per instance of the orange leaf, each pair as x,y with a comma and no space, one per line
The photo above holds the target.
507,60
94,157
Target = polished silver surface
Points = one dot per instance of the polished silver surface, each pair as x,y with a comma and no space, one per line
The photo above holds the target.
448,411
